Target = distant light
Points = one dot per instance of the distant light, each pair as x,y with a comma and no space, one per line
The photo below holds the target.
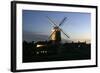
79,46
40,45
37,52
45,51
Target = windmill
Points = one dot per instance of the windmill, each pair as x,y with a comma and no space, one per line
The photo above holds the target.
56,31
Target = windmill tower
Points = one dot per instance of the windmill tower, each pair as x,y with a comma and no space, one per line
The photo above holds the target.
56,31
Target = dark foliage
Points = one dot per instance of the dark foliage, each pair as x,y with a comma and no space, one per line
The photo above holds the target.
55,52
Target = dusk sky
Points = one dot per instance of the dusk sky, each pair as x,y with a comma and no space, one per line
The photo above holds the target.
37,27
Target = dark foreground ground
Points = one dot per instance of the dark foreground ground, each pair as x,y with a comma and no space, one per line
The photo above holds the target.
56,52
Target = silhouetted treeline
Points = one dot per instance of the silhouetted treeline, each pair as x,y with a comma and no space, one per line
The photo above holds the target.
55,52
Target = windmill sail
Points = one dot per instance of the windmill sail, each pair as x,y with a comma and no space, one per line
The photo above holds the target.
56,33
51,21
65,33
62,21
